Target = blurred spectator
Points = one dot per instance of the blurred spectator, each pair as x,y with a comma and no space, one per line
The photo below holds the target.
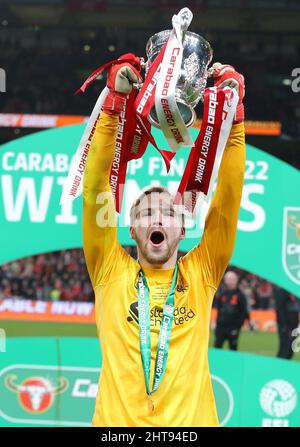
258,291
287,313
264,292
63,275
51,276
232,312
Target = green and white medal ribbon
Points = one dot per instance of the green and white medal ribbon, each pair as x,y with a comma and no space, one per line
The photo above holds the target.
164,333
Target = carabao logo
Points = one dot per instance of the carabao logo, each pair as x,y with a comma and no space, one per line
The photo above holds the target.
35,394
291,243
278,398
48,394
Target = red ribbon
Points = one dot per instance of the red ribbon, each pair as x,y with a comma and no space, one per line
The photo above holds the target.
131,144
133,140
128,57
197,175
145,101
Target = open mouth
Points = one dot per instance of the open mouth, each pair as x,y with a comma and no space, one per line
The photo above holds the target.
157,238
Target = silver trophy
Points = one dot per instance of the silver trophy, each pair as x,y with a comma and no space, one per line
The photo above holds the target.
197,55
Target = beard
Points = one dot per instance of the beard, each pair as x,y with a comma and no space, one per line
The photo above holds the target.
159,256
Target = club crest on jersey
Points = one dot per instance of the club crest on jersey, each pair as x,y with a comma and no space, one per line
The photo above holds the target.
181,287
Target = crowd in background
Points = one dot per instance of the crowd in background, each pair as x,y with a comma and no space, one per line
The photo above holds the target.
45,67
62,275
53,276
259,292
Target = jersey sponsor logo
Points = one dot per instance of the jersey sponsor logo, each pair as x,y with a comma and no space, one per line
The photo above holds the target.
182,314
291,243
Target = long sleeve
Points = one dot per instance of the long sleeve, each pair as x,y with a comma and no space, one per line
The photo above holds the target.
244,314
99,222
214,251
280,304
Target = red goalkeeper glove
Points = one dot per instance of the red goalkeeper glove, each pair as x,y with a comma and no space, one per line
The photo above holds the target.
120,80
225,75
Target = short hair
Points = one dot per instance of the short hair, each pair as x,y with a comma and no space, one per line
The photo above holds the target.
146,192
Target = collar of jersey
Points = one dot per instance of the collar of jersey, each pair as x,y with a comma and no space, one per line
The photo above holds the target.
161,276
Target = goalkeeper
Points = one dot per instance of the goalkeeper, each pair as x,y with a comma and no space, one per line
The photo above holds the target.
153,314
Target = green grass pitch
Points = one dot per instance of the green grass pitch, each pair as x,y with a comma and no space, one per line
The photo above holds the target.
262,343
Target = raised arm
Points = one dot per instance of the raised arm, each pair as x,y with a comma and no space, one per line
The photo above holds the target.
99,237
218,239
215,249
100,245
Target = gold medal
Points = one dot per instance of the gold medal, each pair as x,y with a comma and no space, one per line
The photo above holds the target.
150,404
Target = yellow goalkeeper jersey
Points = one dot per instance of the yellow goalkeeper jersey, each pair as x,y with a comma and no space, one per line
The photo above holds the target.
185,396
